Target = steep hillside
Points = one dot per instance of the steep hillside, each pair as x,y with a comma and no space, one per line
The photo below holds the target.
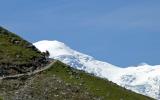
18,55
62,82
143,79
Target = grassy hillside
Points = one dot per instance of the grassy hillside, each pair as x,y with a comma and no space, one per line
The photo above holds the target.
61,82
16,54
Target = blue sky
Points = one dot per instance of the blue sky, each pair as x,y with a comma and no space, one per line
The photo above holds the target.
122,32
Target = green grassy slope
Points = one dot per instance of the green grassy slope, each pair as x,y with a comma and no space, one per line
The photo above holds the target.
61,82
17,55
14,49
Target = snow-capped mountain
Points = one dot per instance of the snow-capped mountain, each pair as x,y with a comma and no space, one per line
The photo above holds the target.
143,79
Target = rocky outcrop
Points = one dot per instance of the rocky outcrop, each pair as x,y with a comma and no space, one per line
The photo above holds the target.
12,69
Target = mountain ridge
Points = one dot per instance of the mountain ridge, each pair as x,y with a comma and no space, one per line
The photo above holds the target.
142,79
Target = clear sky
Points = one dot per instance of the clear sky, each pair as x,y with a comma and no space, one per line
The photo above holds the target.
122,32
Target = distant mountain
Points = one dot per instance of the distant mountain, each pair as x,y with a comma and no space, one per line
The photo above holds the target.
143,79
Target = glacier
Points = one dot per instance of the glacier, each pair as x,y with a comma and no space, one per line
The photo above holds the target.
143,79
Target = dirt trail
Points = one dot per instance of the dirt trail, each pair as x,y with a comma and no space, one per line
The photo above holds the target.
30,73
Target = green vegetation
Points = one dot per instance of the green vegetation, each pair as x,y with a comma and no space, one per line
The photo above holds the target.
17,55
15,50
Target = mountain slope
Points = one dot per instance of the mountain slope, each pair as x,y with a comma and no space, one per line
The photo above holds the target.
17,55
142,79
62,82
24,64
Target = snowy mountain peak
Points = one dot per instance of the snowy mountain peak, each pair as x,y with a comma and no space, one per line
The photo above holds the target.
59,48
144,79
